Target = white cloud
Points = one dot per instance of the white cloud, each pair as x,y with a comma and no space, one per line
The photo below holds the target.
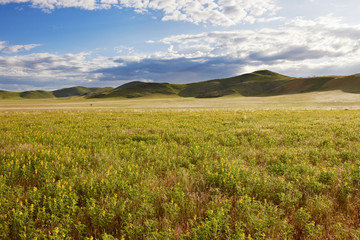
44,69
297,40
124,50
220,12
13,1
4,48
299,48
215,12
2,45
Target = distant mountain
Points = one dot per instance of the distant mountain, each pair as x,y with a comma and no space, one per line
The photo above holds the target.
259,83
36,94
251,84
79,91
8,95
65,92
141,89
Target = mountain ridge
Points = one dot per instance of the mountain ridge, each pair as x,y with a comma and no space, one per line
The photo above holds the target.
60,93
258,83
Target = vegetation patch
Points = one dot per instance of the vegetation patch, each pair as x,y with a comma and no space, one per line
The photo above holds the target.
180,175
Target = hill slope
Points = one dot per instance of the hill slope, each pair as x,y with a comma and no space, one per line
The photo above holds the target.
259,83
79,91
65,92
256,83
141,89
36,94
9,95
250,84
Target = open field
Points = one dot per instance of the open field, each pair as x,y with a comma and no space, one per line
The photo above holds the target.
181,168
314,100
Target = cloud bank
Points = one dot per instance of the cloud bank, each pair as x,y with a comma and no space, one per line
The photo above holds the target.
323,46
299,48
215,12
5,48
50,71
297,40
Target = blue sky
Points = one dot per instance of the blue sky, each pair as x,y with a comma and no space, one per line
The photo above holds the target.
62,43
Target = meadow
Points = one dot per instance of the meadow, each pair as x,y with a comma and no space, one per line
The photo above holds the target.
199,174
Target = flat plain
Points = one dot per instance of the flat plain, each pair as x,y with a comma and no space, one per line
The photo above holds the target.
313,100
284,167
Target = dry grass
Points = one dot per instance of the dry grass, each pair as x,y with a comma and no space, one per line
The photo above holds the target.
316,100
181,168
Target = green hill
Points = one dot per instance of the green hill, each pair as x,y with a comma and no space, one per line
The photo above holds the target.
259,83
8,95
256,83
141,89
251,84
347,84
267,83
36,94
79,91
65,92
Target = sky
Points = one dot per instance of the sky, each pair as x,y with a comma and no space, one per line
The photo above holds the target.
53,44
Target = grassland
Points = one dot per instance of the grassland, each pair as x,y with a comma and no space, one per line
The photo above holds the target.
311,101
176,168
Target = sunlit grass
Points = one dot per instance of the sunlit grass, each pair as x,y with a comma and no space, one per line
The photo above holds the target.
331,100
179,175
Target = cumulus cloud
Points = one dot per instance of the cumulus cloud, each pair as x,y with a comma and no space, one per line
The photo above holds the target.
177,70
5,48
300,39
215,12
51,70
2,45
299,48
221,12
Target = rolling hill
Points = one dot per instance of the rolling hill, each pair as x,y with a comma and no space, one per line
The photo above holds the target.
79,91
250,84
61,93
141,89
259,83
